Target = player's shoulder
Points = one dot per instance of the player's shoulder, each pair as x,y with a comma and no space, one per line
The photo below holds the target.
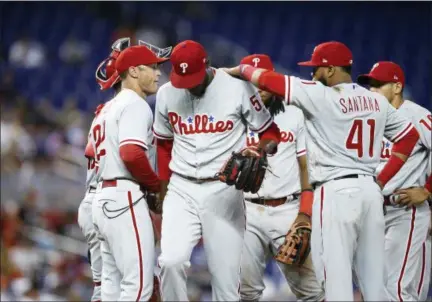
415,108
168,91
234,83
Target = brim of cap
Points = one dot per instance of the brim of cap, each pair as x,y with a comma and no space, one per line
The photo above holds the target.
364,79
187,81
308,63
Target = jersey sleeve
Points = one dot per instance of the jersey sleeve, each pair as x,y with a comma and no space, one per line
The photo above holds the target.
423,124
134,124
162,128
397,126
301,137
307,95
254,112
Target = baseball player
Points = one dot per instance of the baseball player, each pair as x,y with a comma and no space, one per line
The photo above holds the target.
285,197
122,137
345,124
406,230
194,119
104,71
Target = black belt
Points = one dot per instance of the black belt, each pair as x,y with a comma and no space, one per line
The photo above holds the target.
92,189
339,178
197,180
272,202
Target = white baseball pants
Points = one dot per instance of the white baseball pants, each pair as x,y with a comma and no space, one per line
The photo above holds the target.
405,251
265,233
122,219
424,285
85,222
347,236
211,210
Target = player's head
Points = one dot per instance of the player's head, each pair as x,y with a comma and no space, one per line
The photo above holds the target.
106,68
264,61
331,62
138,68
190,67
386,78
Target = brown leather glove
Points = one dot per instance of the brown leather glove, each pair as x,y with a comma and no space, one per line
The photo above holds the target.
296,247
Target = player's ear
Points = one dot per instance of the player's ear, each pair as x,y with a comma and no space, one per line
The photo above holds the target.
133,72
207,62
331,71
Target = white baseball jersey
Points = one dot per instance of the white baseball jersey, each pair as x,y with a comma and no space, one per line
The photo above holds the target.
284,179
413,172
91,180
126,119
206,130
345,124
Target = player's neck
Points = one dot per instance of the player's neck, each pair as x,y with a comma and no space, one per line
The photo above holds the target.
135,87
341,79
397,101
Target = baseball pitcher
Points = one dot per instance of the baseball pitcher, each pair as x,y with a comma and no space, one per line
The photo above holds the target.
199,129
104,71
345,124
122,138
283,203
406,228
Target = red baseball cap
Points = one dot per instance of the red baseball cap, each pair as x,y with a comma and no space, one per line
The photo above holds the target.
330,54
258,61
384,71
189,63
131,57
136,55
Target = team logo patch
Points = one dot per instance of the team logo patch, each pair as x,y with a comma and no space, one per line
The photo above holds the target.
184,66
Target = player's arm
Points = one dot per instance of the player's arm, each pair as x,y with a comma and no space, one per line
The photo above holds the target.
260,120
133,124
293,90
306,198
417,195
164,142
404,136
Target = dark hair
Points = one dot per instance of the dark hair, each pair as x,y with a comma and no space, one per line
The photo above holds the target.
276,105
346,69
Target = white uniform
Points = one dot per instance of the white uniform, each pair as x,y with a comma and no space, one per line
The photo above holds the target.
406,231
205,131
346,124
85,223
120,211
267,226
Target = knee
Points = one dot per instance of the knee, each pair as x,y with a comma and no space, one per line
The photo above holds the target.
250,293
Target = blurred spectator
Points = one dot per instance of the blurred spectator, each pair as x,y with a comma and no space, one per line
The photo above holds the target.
74,51
26,53
151,34
7,86
124,30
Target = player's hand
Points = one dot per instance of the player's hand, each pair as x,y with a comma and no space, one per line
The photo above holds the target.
251,151
234,71
302,218
412,196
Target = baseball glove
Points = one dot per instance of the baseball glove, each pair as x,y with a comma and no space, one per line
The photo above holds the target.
296,247
244,171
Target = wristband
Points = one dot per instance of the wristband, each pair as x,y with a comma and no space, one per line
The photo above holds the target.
306,200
